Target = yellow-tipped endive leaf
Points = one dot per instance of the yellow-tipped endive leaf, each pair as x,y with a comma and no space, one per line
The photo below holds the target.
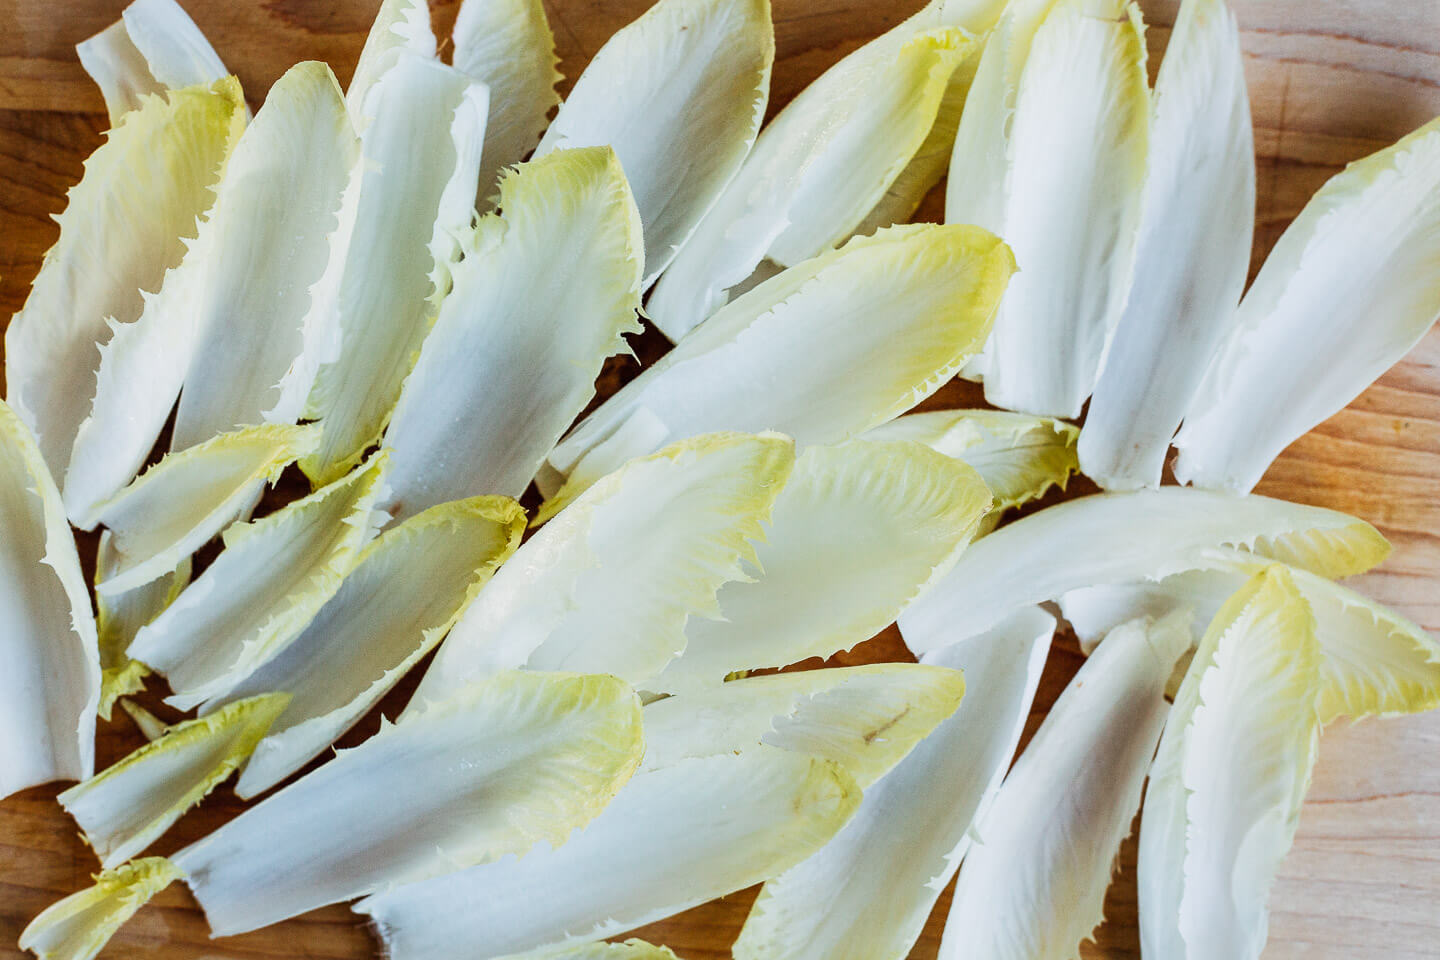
612,583
125,225
866,894
543,295
79,926
127,807
1019,457
153,46
1192,254
50,685
271,579
411,205
513,760
1233,767
873,130
150,726
246,319
400,27
860,530
680,94
1054,162
406,590
119,617
772,358
1123,537
1348,289
866,718
1375,662
631,949
507,45
679,836
1033,886
174,508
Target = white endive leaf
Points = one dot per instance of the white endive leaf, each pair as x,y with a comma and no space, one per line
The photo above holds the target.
124,225
515,759
1122,537
1227,785
771,359
50,686
612,582
150,726
1019,457
860,530
1033,885
267,584
175,507
628,950
400,27
1192,254
680,94
507,45
410,208
825,162
126,807
865,895
77,927
118,618
153,46
1375,662
679,836
1079,93
866,718
406,590
243,315
541,298
1349,288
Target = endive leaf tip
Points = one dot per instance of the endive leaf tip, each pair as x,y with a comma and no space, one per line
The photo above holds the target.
78,926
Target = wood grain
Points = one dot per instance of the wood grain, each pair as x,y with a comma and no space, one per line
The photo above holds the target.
1330,81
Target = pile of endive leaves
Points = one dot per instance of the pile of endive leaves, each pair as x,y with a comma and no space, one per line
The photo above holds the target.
409,288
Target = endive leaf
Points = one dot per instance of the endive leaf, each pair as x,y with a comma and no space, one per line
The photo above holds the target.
1019,457
628,950
124,225
267,584
77,927
406,590
1231,774
242,317
1348,289
827,160
507,45
866,718
1033,887
865,895
1192,254
150,726
512,760
125,808
400,27
542,297
771,359
50,687
860,530
118,618
153,46
679,836
679,94
1374,661
1121,537
175,507
679,522
410,207
1067,82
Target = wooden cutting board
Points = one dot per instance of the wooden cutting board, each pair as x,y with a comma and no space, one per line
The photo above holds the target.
1330,81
